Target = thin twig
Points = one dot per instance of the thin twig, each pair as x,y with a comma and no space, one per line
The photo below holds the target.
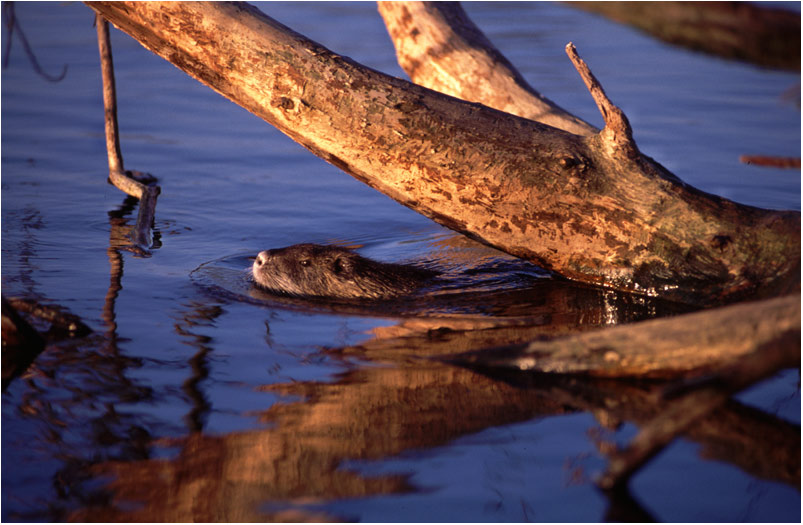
126,184
617,127
10,17
110,102
134,183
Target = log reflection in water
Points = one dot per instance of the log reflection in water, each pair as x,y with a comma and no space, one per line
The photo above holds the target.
378,412
71,394
369,413
760,444
197,315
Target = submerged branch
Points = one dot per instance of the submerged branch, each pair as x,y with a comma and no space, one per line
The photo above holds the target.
136,184
21,344
669,347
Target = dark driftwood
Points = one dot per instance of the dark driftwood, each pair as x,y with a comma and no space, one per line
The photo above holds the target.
761,35
21,344
590,207
62,323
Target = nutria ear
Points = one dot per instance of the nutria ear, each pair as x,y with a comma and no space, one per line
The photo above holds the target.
343,265
339,265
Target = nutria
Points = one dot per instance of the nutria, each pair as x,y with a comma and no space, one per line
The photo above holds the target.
334,272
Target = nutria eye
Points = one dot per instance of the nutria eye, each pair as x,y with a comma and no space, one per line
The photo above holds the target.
304,262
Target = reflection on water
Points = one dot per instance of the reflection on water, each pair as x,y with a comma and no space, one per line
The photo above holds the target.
376,412
197,398
367,414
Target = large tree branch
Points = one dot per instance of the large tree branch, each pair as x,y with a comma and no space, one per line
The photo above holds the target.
439,46
575,204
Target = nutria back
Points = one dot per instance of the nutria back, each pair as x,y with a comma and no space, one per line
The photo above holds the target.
334,272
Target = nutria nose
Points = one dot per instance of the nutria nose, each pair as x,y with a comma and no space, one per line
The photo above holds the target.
262,258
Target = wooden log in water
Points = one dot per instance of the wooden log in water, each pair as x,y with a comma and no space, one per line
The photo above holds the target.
685,345
21,344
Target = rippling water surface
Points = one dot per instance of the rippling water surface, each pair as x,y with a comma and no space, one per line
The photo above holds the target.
194,399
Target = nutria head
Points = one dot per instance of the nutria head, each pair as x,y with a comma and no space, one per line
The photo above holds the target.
315,270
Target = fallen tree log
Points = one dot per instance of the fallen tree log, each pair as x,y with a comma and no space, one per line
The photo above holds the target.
682,346
590,207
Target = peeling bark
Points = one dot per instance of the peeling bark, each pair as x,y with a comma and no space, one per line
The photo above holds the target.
575,204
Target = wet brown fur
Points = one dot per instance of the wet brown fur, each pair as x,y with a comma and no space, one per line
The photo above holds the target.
314,270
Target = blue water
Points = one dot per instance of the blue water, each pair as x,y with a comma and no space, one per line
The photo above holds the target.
189,402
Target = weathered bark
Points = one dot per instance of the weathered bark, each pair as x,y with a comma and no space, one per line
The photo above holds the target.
761,35
677,346
583,206
439,47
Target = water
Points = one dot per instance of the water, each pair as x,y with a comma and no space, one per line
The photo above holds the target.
192,401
